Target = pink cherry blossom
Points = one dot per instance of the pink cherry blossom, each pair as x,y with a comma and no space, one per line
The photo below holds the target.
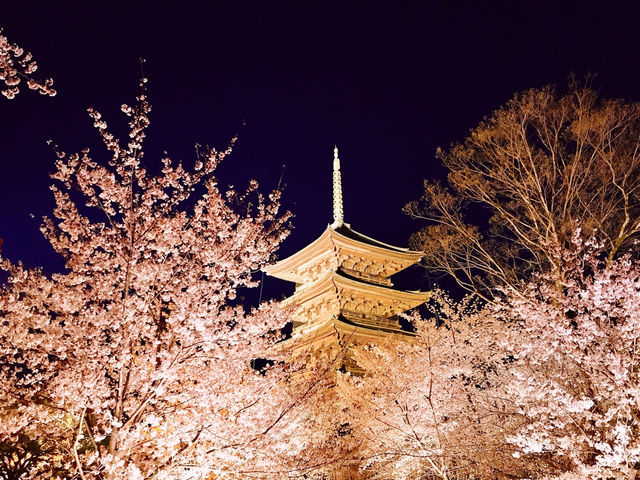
136,358
16,66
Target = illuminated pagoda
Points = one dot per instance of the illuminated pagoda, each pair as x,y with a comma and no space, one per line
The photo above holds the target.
343,291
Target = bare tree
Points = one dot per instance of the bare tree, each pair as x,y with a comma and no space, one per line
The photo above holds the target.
540,167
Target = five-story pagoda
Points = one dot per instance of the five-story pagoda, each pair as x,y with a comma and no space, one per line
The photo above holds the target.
343,291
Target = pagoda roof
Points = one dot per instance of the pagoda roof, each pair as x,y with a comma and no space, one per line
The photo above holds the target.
344,238
346,231
335,281
340,325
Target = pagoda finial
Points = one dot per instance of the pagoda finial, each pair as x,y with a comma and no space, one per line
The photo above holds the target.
338,213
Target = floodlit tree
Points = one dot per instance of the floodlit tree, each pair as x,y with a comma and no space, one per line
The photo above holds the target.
137,357
542,383
540,167
24,457
434,406
311,435
17,66
575,375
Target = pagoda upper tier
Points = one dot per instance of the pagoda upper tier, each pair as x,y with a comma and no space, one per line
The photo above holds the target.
343,249
336,295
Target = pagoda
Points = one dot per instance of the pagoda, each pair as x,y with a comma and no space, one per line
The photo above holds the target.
343,294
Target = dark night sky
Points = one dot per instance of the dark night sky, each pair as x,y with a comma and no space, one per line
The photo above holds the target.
387,82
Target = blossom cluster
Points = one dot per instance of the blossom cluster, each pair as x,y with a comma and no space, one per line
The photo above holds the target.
17,66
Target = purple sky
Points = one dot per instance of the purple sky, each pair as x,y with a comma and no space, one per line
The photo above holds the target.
387,82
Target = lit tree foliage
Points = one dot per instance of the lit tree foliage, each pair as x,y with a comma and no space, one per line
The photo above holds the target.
575,377
17,66
311,436
540,167
434,405
543,383
137,355
24,457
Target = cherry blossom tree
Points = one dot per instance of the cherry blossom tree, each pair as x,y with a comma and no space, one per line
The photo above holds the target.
575,376
433,406
17,66
542,384
311,436
137,358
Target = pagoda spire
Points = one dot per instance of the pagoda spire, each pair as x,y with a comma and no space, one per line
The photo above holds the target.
338,212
